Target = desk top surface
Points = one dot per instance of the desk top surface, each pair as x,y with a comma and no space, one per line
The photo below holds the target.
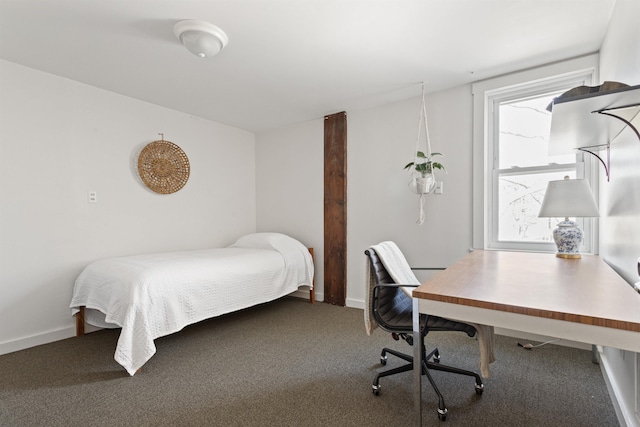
584,290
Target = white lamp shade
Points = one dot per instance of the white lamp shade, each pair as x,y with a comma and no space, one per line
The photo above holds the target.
568,198
201,38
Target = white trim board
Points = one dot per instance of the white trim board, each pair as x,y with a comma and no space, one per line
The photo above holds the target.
627,416
35,340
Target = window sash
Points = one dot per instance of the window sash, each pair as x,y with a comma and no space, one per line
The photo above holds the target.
493,98
498,242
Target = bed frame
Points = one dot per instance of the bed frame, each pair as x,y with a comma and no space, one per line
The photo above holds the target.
80,322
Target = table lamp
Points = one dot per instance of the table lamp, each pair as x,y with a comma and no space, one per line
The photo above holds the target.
568,198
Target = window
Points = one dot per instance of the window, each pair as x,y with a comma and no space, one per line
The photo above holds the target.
521,170
515,165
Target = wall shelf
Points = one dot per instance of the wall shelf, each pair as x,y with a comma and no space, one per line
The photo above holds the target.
593,121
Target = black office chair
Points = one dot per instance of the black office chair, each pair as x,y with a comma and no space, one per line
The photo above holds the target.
392,310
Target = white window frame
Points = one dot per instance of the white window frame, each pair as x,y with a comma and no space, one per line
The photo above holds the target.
486,95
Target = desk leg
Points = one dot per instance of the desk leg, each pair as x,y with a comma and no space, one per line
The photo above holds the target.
417,364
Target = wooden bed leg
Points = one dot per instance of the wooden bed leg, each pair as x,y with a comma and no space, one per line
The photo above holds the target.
312,290
80,322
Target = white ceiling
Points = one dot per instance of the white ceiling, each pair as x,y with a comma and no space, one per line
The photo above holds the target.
290,61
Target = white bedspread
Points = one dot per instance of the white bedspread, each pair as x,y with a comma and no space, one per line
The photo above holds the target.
154,295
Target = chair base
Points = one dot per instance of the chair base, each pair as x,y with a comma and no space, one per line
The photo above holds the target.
427,365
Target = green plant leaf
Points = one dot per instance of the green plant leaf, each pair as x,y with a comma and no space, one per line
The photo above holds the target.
427,165
438,166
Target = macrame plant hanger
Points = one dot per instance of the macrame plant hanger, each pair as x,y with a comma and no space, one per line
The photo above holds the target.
422,184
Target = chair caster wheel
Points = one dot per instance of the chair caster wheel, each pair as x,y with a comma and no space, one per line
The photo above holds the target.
383,360
442,414
479,389
376,390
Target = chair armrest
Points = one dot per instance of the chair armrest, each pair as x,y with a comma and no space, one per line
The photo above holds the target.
394,285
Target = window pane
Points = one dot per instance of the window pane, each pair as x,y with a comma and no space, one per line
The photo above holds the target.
524,134
520,198
518,167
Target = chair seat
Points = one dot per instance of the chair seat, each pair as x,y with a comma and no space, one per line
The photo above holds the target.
395,315
435,323
399,318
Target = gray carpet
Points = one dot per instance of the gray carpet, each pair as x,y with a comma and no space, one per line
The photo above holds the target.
290,363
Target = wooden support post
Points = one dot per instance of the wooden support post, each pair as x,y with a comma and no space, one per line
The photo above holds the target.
335,208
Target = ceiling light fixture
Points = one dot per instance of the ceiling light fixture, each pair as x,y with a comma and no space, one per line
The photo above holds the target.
201,38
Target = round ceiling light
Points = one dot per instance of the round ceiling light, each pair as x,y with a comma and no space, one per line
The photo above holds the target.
201,38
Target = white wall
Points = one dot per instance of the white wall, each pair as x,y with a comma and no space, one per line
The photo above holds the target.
60,139
289,184
620,198
381,141
380,206
620,61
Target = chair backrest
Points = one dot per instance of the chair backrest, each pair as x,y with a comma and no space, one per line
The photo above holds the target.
391,306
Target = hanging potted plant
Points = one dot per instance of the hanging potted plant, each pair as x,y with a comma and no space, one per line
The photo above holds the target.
424,165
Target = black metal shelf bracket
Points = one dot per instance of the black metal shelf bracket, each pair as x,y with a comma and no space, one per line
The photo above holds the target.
606,164
608,112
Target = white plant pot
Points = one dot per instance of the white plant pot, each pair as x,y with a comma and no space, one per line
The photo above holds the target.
423,185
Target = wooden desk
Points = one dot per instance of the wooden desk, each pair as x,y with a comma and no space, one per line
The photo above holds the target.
581,300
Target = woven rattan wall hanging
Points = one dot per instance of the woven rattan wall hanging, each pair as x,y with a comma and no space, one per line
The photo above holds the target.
163,166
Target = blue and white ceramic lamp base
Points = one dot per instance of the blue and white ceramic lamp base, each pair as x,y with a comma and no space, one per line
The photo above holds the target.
568,237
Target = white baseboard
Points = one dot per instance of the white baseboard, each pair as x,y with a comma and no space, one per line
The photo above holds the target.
626,415
355,303
304,294
351,303
70,331
35,340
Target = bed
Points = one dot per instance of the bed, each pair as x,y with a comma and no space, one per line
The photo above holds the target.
153,295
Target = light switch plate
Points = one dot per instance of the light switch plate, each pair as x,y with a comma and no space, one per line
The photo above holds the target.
439,187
